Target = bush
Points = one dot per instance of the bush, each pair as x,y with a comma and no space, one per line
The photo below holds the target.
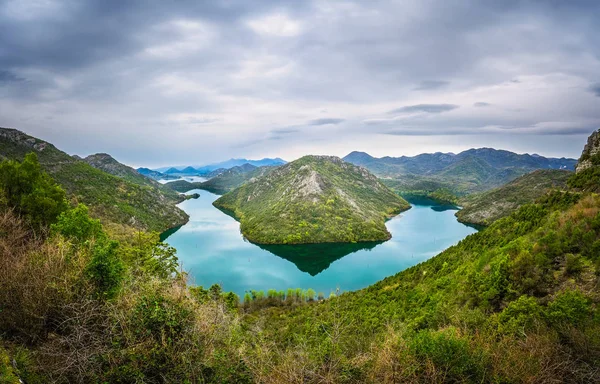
7,374
76,224
28,190
446,356
106,269
569,308
520,316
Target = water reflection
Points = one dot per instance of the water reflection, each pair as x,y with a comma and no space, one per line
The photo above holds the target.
315,258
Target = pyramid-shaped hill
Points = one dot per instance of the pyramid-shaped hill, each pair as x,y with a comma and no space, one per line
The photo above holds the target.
315,199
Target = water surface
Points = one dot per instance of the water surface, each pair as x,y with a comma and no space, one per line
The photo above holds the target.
211,248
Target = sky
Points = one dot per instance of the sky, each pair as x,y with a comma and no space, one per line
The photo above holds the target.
158,83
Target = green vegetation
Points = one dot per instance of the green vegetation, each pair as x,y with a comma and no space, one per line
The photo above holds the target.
31,192
471,171
501,306
516,302
115,200
587,179
487,207
314,199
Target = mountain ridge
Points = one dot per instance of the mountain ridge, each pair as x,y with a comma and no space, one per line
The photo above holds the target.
314,199
110,198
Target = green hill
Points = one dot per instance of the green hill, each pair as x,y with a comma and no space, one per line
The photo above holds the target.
487,207
471,171
108,164
314,199
139,204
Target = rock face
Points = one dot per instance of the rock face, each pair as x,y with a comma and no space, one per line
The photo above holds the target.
591,148
315,199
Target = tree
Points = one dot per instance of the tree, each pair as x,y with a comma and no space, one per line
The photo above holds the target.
30,191
106,269
78,225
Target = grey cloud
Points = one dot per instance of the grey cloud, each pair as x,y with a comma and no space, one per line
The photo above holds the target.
87,61
9,77
285,131
480,104
426,108
326,121
485,130
431,84
595,89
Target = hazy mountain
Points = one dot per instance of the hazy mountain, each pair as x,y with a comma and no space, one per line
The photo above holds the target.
155,175
206,169
225,181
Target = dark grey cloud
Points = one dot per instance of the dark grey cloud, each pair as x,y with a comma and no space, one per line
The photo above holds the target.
426,108
480,104
326,121
595,89
427,85
9,77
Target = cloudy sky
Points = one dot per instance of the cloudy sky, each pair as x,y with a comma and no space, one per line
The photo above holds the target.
189,82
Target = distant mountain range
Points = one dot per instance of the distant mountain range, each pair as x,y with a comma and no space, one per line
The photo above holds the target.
223,180
473,170
206,169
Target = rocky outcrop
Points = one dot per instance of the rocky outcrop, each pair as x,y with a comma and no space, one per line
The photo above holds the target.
591,149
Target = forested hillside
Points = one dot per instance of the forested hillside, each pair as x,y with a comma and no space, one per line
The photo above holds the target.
514,303
124,200
451,175
486,207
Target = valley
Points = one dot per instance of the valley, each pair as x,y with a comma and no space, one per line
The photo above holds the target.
211,249
305,269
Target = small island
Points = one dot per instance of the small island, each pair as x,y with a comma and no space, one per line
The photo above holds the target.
315,199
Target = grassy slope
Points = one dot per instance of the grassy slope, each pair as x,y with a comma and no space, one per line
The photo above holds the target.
109,197
487,207
313,200
518,298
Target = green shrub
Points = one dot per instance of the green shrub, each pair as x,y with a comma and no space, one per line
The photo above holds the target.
520,316
161,317
445,354
77,224
569,308
106,269
7,373
573,264
30,191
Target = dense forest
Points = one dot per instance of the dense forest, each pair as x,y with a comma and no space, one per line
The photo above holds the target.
516,302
